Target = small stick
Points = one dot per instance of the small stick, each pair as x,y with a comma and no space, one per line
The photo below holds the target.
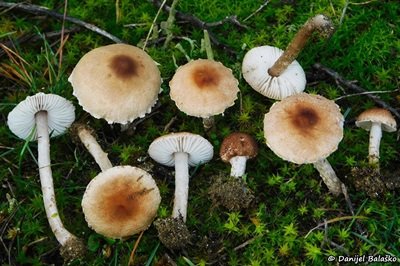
132,256
363,93
169,124
258,10
39,10
350,85
169,23
152,24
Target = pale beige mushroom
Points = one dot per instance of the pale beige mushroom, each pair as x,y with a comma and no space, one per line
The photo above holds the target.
204,88
275,73
121,201
376,120
117,82
305,128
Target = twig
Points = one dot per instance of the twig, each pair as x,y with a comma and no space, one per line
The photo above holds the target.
244,244
346,5
258,10
39,10
334,75
337,219
153,23
132,256
62,41
363,93
169,23
204,25
169,124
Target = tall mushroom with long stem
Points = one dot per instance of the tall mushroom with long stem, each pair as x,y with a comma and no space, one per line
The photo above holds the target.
305,128
36,118
275,73
180,150
120,201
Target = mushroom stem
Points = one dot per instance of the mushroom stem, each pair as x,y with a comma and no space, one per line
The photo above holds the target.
375,136
93,147
238,165
181,185
46,180
320,23
208,122
328,176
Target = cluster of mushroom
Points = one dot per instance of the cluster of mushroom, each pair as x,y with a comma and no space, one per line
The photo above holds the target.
120,83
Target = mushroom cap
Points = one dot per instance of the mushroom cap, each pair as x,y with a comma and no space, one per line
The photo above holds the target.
255,67
238,144
121,201
303,128
60,115
117,82
163,148
377,115
203,88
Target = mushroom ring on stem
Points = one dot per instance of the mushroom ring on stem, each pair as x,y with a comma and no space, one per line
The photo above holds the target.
305,128
275,73
204,88
117,82
375,121
36,118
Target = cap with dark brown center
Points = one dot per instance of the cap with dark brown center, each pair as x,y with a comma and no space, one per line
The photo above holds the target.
117,82
303,128
203,88
121,201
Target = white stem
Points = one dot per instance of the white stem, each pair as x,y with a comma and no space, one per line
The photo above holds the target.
181,185
375,136
46,180
94,149
328,176
208,122
238,165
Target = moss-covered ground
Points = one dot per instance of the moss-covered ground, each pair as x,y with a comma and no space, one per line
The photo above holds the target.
293,220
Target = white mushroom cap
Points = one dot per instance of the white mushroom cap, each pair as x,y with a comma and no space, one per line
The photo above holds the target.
60,115
203,88
377,115
303,128
117,82
198,148
255,67
121,201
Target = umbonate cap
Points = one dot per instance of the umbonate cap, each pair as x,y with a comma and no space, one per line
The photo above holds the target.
377,115
255,67
121,201
203,88
303,128
238,144
117,82
198,148
60,115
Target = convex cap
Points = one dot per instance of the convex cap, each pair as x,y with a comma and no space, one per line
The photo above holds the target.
198,148
60,115
121,201
303,128
117,82
377,115
255,67
203,88
238,144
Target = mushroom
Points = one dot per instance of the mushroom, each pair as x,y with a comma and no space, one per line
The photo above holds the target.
35,118
180,150
232,193
204,88
305,128
117,82
236,149
120,201
375,120
275,73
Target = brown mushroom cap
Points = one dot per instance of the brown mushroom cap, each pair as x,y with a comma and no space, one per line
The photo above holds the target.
378,115
121,201
203,88
303,128
238,144
117,82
